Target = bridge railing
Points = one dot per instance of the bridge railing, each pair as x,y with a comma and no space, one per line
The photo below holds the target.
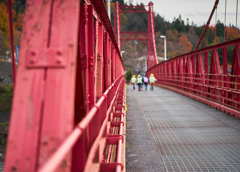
100,132
198,75
68,111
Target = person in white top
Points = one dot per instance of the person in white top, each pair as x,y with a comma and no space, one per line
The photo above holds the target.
145,82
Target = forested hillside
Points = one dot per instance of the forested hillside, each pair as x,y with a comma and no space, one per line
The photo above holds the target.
182,35
18,7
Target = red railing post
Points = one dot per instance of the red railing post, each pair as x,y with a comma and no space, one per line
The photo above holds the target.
99,60
199,73
214,71
212,88
105,57
90,52
11,42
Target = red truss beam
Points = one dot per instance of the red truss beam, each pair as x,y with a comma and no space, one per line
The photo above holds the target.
134,36
117,25
147,36
133,9
152,53
70,87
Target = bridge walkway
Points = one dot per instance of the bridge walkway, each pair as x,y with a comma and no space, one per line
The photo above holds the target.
170,132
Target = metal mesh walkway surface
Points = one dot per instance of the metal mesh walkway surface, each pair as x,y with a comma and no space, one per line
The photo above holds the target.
189,136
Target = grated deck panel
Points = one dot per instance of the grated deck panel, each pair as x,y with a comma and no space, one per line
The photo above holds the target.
187,138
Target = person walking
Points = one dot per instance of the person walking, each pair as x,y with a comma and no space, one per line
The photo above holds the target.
133,81
146,82
152,81
139,82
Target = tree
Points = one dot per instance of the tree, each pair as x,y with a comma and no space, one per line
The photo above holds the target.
128,75
4,30
187,26
178,24
161,25
192,37
184,44
19,21
120,1
220,29
230,33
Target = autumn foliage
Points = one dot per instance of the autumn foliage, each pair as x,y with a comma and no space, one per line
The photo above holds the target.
182,37
17,15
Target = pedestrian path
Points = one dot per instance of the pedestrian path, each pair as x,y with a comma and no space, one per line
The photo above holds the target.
170,132
1,166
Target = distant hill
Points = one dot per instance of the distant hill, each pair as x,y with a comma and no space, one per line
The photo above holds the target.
182,36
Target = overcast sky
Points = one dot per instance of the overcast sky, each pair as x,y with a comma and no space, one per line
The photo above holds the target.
197,11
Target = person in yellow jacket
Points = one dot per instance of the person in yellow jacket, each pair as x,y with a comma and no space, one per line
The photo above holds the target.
152,80
139,82
133,81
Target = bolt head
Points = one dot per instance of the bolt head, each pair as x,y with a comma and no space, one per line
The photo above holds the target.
59,61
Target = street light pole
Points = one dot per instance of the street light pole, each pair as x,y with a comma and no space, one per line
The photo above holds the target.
7,55
135,42
109,8
165,46
122,52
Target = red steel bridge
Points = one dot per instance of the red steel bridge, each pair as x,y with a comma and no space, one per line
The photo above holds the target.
68,111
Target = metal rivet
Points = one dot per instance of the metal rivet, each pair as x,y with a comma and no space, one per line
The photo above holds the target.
32,61
33,53
59,61
59,52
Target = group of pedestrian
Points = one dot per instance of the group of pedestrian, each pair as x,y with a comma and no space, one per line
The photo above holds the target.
143,80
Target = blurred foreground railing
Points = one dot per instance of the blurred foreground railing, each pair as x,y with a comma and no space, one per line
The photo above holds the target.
68,111
104,126
198,75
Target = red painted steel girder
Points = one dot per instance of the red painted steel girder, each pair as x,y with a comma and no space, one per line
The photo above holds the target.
70,80
152,52
100,14
135,35
206,27
149,39
11,42
188,75
133,9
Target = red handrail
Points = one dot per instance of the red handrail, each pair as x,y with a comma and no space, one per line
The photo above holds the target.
69,103
188,75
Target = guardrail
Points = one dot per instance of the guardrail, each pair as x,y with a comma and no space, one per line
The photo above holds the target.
104,127
68,111
192,75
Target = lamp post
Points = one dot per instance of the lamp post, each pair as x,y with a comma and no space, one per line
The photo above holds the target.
165,47
109,8
7,52
135,42
122,52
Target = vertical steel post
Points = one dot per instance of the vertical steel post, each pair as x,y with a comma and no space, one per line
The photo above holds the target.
99,60
28,94
118,25
11,42
105,56
91,57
